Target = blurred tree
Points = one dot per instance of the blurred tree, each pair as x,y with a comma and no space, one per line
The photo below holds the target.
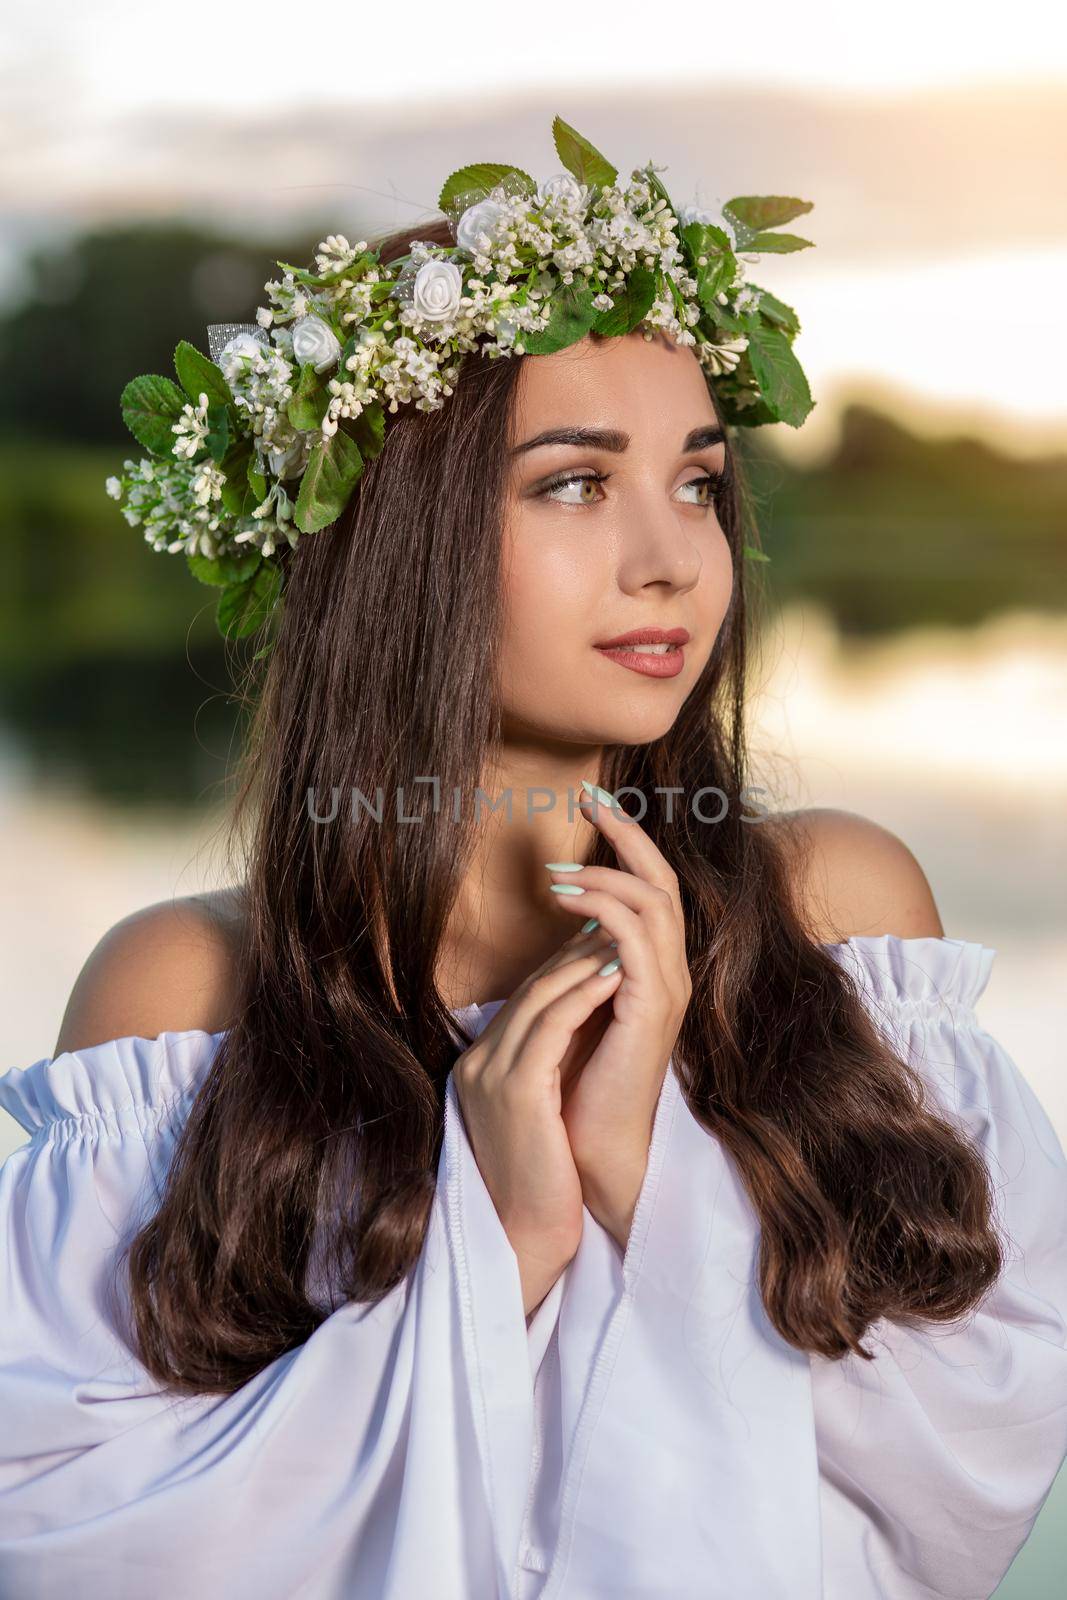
110,664
897,530
111,304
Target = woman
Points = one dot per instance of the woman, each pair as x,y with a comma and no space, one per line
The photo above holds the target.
540,1198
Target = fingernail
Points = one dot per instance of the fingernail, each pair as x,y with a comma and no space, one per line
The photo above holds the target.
600,794
609,968
564,866
587,927
566,888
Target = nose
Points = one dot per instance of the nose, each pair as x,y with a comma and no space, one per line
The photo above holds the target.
658,544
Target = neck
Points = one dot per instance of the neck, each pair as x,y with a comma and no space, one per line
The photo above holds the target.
505,921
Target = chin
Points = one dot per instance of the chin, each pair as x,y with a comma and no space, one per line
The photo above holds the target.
635,724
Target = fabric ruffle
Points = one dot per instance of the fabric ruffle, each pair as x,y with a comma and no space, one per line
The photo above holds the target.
649,1433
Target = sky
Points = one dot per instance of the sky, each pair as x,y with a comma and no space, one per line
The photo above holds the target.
132,55
930,139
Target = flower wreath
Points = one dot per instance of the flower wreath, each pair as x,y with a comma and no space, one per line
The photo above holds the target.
266,440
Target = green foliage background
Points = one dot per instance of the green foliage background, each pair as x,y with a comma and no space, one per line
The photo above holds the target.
110,664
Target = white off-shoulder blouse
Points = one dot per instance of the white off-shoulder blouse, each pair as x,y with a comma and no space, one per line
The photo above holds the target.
650,1436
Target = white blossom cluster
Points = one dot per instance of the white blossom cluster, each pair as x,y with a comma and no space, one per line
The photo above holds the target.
395,333
405,335
179,506
176,503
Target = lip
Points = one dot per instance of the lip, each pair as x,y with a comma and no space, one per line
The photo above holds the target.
645,636
621,651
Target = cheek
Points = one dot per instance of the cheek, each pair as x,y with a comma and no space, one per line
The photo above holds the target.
715,588
553,590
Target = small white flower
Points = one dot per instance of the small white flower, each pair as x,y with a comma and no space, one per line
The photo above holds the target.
720,358
114,488
315,342
437,290
191,429
486,217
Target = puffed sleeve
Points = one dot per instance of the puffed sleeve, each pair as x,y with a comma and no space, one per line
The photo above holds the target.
385,1457
695,1440
936,1457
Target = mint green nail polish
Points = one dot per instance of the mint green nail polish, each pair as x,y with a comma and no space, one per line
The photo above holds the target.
609,968
598,793
566,888
564,866
587,927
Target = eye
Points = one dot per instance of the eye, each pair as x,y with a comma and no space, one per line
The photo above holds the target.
710,488
563,480
712,483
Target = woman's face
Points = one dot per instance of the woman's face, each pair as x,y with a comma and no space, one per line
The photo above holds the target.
605,537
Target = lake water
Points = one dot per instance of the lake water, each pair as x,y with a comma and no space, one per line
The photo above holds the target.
956,742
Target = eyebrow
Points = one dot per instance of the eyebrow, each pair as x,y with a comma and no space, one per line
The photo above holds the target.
613,439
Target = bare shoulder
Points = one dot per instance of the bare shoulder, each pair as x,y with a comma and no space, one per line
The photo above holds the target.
854,876
166,967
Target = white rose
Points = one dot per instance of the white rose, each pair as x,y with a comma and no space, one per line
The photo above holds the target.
287,463
437,290
242,344
563,187
316,343
484,217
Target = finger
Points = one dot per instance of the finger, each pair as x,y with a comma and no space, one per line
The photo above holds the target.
634,936
553,1027
647,898
637,852
505,1032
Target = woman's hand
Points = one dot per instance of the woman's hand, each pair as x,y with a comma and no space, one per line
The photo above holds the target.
509,1085
610,1102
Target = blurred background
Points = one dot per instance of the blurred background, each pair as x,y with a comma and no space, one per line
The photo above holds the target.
914,663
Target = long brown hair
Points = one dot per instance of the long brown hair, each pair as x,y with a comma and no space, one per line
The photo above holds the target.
304,1173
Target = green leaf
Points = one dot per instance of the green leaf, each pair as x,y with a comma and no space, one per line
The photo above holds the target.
580,157
632,302
780,376
753,414
705,239
309,401
256,481
467,185
368,430
753,554
776,311
197,375
218,432
235,464
656,186
777,243
264,650
759,211
572,315
325,280
244,606
221,571
150,407
716,320
332,473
